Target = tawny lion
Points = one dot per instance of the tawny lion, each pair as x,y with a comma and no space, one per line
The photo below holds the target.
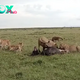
56,38
69,48
4,44
44,42
16,47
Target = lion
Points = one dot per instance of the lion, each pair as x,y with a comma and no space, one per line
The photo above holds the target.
4,43
41,42
55,38
78,48
69,48
44,42
17,48
51,44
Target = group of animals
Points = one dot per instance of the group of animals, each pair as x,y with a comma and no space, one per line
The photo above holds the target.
6,44
50,47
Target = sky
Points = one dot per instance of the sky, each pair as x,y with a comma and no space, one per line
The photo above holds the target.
41,13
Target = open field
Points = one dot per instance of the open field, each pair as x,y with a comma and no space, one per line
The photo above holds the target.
21,66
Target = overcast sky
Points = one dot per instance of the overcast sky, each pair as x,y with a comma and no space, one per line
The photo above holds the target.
40,13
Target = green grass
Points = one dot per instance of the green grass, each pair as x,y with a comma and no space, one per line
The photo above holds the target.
21,66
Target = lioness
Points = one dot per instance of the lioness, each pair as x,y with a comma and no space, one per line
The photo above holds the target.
44,42
69,48
4,44
55,38
16,47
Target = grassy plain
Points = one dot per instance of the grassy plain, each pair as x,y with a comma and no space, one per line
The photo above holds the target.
21,66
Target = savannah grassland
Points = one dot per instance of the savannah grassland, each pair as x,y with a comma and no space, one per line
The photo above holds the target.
22,66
